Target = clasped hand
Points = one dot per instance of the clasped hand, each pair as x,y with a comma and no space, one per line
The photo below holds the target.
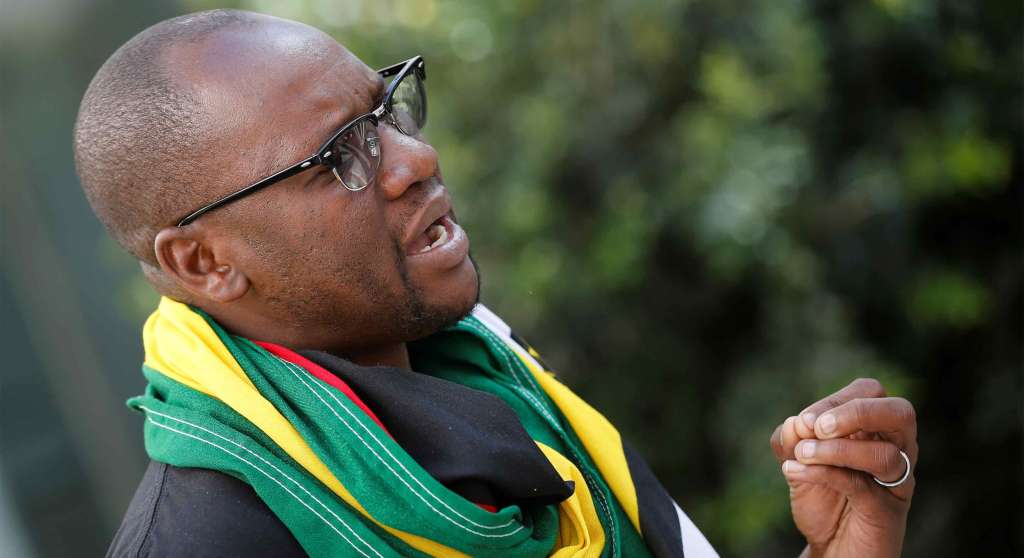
829,454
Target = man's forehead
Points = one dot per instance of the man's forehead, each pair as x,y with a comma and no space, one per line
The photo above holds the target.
271,57
277,79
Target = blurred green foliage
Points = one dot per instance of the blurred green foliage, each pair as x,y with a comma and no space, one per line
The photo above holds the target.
708,214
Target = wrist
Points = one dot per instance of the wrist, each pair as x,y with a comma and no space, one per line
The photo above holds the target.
821,550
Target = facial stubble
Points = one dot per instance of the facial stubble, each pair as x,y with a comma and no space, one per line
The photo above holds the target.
421,318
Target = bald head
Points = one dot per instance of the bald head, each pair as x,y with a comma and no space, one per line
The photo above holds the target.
159,122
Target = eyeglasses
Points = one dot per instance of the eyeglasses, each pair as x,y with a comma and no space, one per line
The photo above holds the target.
353,152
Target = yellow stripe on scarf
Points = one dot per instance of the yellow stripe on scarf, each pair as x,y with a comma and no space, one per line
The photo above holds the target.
182,346
580,534
602,440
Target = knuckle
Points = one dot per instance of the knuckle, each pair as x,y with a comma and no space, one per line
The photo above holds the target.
860,410
858,482
834,401
837,451
905,410
888,458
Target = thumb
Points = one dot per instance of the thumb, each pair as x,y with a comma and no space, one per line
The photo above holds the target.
852,484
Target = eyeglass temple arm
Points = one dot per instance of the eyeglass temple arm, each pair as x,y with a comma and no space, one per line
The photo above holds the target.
272,179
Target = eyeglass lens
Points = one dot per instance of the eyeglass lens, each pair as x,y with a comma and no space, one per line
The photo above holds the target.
357,155
357,152
409,105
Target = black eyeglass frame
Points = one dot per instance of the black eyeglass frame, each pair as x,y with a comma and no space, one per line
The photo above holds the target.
323,155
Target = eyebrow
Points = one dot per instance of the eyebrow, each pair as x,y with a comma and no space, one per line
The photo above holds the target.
378,87
381,83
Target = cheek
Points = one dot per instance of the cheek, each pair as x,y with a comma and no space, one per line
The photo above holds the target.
355,246
338,249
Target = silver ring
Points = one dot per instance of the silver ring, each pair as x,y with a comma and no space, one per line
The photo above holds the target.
903,479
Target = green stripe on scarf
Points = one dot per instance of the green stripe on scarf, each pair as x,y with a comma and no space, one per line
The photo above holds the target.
470,354
187,428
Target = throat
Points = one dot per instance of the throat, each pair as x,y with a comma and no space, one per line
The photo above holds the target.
396,356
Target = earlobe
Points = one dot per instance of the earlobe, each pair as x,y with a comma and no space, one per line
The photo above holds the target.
194,265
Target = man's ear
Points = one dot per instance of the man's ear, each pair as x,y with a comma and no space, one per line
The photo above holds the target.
195,266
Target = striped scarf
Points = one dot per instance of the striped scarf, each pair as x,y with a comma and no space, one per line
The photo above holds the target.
328,467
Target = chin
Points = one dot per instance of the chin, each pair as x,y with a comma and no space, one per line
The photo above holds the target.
447,301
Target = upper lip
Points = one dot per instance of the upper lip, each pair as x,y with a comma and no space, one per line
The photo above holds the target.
437,205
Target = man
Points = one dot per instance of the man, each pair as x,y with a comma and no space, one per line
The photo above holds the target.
322,380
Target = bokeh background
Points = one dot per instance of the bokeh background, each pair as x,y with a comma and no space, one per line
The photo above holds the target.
705,213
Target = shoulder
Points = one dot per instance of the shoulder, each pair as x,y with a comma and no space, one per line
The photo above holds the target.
178,511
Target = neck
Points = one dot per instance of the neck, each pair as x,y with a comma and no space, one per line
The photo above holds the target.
259,329
396,356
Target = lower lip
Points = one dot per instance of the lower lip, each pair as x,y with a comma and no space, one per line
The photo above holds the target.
447,255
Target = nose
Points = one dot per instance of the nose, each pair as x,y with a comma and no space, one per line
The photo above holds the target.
405,160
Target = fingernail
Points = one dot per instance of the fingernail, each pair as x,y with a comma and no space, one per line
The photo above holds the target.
790,466
827,422
807,448
808,419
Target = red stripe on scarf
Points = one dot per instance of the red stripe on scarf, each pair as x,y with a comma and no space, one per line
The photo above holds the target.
322,374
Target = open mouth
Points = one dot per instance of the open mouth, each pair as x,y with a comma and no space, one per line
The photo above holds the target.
437,234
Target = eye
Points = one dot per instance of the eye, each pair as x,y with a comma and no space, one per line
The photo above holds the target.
357,155
317,176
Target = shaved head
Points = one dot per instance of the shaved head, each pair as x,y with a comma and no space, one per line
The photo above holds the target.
198,107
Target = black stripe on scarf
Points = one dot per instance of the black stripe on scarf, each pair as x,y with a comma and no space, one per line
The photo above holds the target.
659,522
469,440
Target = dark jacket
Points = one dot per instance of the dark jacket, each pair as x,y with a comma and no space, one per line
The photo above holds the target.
181,512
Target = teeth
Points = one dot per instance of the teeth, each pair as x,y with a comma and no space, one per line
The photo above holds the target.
442,236
437,235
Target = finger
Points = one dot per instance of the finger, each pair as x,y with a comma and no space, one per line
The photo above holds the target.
878,458
856,486
892,417
784,439
847,482
776,443
859,388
